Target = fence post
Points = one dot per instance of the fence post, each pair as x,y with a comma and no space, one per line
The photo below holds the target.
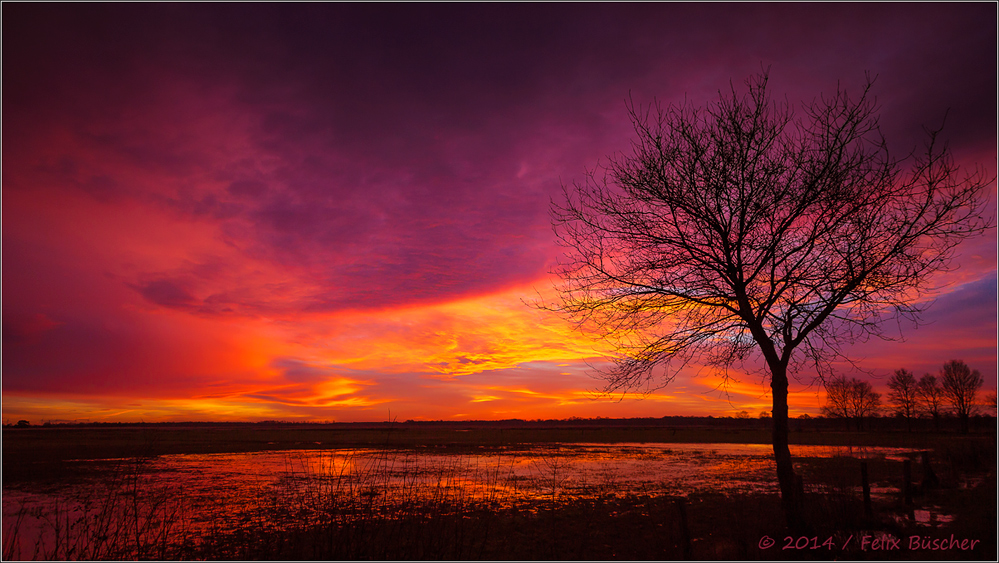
907,481
684,529
929,477
868,511
799,493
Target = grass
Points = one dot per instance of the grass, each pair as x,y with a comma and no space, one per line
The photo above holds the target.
27,452
395,506
119,518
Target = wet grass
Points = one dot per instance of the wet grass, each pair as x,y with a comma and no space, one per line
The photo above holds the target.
325,513
607,527
117,518
36,451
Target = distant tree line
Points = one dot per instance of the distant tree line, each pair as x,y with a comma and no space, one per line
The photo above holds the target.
953,390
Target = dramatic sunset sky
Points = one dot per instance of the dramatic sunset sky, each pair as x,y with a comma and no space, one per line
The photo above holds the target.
337,212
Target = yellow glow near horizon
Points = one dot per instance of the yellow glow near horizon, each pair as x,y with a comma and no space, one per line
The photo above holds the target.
487,357
452,339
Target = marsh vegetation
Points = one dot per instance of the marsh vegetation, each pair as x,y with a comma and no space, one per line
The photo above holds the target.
436,494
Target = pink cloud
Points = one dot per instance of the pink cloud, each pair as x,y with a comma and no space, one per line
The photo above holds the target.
196,197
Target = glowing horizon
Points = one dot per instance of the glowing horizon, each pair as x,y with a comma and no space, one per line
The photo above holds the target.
255,212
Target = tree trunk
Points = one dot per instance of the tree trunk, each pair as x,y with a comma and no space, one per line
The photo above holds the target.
782,454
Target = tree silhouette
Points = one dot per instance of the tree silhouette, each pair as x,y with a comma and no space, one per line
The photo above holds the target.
742,229
838,403
902,389
864,401
851,399
960,384
930,397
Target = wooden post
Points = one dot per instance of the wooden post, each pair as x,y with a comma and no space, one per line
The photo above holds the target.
799,492
684,529
907,481
930,480
868,511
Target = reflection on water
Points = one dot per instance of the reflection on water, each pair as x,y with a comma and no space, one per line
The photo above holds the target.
212,492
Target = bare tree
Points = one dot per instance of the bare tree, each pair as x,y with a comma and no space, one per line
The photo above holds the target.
851,399
838,399
864,401
930,397
960,384
742,229
902,394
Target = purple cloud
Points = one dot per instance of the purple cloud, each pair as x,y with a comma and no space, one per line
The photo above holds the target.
385,142
264,161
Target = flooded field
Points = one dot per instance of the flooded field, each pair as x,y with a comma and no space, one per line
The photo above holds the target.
181,499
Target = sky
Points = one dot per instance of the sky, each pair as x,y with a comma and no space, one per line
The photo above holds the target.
340,211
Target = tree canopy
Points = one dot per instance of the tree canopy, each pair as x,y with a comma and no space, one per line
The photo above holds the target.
960,385
742,227
745,228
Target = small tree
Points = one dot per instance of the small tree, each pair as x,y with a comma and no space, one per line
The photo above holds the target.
960,384
837,399
930,397
742,229
852,398
902,395
864,401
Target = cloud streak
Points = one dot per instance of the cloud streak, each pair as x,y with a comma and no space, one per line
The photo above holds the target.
324,210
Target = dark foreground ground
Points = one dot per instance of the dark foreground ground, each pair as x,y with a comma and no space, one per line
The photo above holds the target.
636,527
707,527
36,451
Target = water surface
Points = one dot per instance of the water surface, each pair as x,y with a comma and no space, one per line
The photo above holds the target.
275,489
